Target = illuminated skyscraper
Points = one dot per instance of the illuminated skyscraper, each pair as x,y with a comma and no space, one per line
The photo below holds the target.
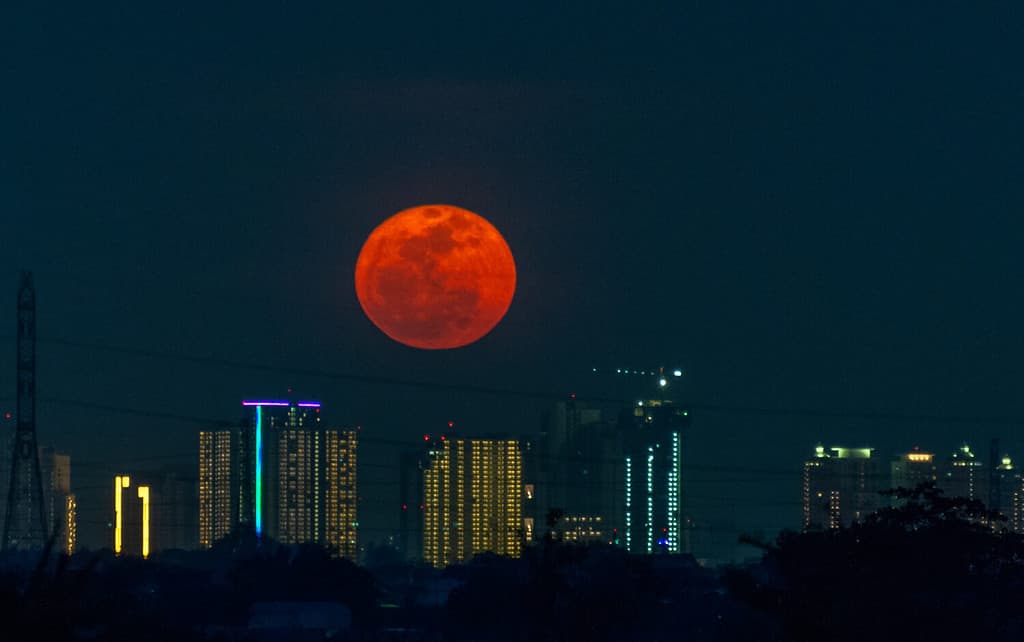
133,512
962,475
840,486
496,495
1003,482
652,433
1014,487
61,509
269,445
315,477
472,499
152,512
911,469
445,508
70,524
215,485
282,474
339,489
298,516
1004,485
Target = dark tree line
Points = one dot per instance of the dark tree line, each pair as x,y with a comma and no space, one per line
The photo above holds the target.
931,568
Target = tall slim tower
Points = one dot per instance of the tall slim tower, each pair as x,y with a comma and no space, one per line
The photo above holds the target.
25,523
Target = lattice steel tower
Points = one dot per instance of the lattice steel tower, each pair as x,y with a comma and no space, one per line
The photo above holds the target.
25,523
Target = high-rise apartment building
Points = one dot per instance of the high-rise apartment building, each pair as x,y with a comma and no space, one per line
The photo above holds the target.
577,470
472,499
282,474
274,467
61,506
338,489
652,434
216,485
911,469
496,495
1013,486
840,486
174,505
1004,482
445,505
962,474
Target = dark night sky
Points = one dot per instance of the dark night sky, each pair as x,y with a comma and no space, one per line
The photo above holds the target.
803,206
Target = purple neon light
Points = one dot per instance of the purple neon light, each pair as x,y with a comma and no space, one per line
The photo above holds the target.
271,402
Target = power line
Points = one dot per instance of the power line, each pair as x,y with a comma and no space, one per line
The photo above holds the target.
531,394
410,445
725,474
300,372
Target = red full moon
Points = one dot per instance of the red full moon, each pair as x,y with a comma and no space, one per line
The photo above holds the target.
435,277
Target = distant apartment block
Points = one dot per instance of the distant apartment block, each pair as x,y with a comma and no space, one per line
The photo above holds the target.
840,487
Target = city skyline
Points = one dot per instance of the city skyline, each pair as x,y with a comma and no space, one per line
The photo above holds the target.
636,379
636,315
712,534
790,205
973,482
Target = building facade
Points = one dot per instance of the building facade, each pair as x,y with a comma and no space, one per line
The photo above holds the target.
962,474
576,472
910,470
61,505
281,474
216,485
652,433
496,495
132,517
472,499
840,487
153,512
1004,487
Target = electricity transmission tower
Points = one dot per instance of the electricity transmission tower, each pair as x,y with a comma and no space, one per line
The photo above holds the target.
25,523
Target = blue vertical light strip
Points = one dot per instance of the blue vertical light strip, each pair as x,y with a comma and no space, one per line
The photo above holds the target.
259,470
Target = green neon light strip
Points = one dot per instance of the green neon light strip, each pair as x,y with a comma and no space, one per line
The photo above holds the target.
259,470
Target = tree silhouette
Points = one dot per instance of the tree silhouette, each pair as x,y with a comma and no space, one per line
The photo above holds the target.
932,568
